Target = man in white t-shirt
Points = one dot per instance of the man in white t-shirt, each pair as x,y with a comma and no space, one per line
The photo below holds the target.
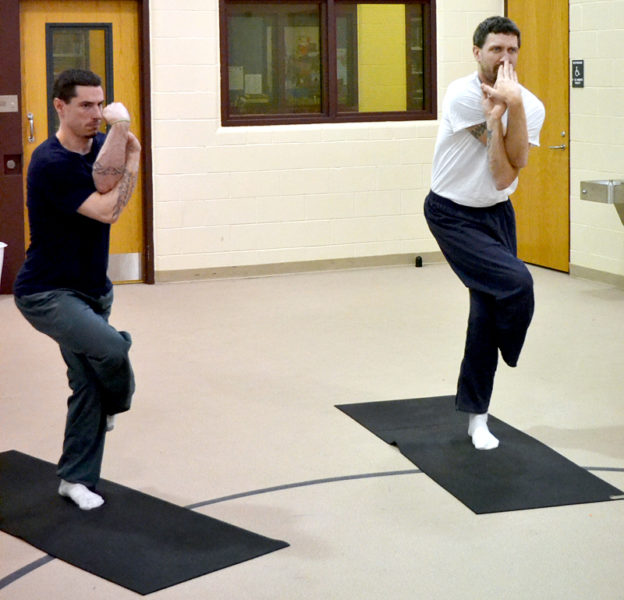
488,123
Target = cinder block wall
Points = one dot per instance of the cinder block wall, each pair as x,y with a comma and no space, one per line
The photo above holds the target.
279,195
597,141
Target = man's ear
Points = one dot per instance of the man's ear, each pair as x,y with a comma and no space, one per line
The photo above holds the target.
476,51
58,105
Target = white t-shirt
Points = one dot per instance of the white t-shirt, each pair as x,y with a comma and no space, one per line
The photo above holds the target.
460,161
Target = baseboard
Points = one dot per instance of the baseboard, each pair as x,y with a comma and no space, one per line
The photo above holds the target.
266,270
595,275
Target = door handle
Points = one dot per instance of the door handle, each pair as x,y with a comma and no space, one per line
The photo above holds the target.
562,147
31,122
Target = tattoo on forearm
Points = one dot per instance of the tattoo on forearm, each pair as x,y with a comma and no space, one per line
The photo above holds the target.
125,188
489,137
100,169
478,130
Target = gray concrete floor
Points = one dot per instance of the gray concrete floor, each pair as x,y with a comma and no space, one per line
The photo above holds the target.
236,386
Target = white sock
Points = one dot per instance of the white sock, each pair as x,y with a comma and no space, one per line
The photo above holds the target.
110,422
80,494
482,439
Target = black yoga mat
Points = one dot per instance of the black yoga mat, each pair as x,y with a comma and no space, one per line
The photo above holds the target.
135,540
521,473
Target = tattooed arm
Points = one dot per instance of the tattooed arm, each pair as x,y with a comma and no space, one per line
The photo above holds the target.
106,207
110,163
491,134
507,91
507,149
479,132
503,171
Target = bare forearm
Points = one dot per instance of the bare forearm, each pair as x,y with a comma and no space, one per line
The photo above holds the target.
110,163
107,207
124,189
517,136
503,171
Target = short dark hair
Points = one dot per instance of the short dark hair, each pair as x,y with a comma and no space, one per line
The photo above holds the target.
494,25
65,84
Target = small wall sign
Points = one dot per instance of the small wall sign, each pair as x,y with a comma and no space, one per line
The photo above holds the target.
578,73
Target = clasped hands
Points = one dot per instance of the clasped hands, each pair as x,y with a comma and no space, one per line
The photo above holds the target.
505,92
116,112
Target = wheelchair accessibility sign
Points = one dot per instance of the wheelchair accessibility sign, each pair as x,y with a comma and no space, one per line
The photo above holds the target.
578,73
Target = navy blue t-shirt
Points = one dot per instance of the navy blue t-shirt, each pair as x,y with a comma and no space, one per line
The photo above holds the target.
67,250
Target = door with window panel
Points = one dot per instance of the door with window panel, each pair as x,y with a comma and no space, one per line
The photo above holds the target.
102,37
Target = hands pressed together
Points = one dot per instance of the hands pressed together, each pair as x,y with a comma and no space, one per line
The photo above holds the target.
504,93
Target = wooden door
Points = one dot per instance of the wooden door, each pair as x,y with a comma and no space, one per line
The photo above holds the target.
542,201
100,35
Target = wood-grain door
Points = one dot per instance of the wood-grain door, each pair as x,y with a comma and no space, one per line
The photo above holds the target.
542,201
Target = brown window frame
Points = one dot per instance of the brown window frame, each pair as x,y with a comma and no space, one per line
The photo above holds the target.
330,112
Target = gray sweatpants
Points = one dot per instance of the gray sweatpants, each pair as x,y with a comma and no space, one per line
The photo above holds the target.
98,369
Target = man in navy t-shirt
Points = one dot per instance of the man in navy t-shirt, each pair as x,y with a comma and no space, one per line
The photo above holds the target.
79,181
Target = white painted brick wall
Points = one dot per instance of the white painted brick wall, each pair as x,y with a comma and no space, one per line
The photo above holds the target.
597,123
242,196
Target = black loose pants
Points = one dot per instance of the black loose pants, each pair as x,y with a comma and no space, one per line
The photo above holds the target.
480,246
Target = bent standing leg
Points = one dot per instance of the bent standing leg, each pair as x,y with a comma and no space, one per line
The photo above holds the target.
476,376
99,373
480,246
85,427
